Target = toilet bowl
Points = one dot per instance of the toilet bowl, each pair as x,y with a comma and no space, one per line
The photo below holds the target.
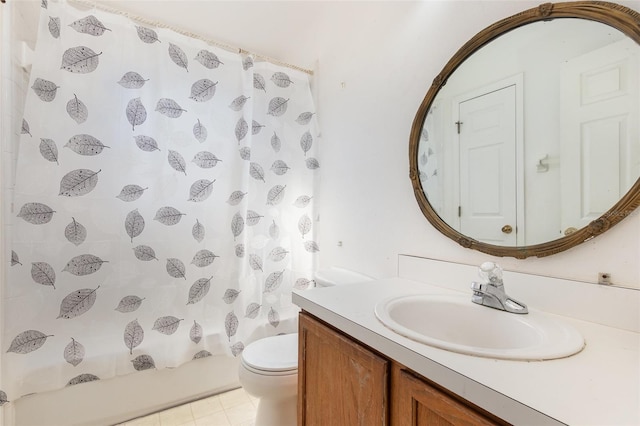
269,371
269,366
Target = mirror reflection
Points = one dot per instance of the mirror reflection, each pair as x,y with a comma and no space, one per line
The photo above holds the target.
536,134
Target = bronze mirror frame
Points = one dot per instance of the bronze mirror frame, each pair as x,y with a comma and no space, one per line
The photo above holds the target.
617,16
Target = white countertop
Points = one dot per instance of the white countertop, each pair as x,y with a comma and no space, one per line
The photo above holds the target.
598,386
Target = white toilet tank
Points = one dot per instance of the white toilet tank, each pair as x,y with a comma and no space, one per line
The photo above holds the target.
338,276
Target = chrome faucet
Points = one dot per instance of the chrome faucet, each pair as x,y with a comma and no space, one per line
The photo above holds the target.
491,292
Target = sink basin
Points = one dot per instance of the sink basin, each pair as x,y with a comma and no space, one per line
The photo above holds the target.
456,324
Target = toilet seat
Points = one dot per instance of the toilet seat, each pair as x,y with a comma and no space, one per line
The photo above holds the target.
272,356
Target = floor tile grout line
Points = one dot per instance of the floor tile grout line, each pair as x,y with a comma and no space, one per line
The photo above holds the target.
134,422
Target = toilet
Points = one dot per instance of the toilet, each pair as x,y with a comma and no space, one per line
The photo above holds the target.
269,366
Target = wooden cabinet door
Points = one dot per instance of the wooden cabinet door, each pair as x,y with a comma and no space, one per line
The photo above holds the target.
417,403
339,381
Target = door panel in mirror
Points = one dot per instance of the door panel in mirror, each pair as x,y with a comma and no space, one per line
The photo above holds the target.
487,169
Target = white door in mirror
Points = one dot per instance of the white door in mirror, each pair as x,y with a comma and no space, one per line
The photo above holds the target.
487,139
600,131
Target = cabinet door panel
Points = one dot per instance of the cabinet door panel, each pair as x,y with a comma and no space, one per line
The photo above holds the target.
418,403
339,381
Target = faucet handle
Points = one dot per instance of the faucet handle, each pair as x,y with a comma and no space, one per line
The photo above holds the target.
476,286
491,272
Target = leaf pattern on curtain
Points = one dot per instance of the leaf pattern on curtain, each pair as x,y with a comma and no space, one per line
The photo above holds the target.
164,203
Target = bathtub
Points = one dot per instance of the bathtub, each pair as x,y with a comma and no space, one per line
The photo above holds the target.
116,400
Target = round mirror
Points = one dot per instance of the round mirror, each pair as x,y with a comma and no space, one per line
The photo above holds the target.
528,141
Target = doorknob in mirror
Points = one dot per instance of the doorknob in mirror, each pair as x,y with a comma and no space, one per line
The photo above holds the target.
507,229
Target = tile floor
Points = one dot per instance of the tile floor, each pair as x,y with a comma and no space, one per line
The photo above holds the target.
232,408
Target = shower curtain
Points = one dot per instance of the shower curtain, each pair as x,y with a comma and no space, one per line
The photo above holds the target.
163,208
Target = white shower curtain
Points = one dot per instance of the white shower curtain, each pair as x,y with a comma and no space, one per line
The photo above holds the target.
163,202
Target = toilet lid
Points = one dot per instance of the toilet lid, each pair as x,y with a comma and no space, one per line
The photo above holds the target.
276,353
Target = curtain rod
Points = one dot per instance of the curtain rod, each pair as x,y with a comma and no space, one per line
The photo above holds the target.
157,24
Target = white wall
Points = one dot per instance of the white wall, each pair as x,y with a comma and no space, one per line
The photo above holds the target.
13,85
374,63
370,86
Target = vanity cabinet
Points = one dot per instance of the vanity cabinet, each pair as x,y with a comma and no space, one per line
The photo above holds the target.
342,382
